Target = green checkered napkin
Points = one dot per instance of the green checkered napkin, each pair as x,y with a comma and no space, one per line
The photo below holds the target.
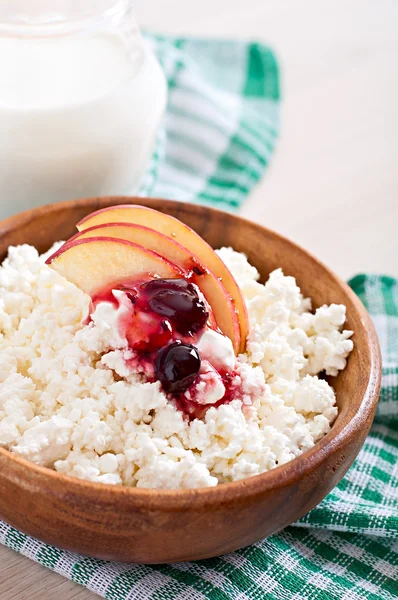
221,122
219,133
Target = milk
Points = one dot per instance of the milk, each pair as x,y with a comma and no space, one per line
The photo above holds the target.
78,117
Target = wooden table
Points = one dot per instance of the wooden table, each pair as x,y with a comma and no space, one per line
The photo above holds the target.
333,185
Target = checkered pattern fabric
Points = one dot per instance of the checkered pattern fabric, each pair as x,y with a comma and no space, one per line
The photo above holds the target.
219,133
221,122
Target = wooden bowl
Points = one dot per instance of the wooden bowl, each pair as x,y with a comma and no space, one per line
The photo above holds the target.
156,526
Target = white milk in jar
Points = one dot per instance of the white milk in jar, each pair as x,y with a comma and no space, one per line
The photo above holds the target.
79,111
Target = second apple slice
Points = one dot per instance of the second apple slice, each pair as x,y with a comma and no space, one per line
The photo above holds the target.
175,229
207,282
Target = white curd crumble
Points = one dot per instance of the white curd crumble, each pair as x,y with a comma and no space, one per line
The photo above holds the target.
69,400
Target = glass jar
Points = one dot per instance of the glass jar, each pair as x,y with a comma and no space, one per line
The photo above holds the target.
81,99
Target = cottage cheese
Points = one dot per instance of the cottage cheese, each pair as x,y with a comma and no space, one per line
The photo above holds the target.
69,401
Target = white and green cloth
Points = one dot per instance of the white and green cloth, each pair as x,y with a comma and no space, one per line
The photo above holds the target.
221,123
219,133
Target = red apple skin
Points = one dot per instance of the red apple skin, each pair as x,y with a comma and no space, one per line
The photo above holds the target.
180,232
212,288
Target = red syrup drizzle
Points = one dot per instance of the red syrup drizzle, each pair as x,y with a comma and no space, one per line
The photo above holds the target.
193,410
167,313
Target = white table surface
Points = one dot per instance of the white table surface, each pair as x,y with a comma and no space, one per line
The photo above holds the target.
333,184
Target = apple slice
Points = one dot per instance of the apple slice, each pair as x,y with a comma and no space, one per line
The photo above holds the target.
212,288
146,237
178,231
95,264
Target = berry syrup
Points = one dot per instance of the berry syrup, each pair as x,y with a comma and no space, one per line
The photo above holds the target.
163,327
194,410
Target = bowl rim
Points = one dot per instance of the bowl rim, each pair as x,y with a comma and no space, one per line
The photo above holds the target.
281,476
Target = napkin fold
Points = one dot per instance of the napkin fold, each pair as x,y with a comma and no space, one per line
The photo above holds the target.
218,135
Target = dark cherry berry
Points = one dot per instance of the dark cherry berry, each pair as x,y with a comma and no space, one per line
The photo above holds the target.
177,366
153,286
177,300
165,325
